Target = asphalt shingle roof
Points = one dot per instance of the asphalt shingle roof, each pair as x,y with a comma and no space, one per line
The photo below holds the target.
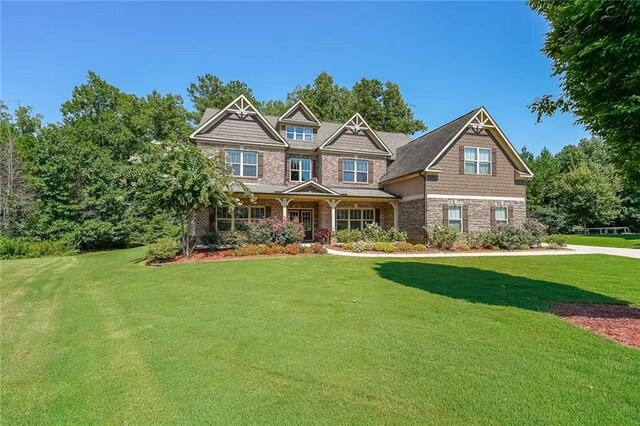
419,153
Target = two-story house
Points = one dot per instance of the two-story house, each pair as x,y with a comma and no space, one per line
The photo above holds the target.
465,174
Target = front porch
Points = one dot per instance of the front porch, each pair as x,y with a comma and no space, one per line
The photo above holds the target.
314,212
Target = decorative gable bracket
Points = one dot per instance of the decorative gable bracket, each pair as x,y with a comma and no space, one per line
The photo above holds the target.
356,124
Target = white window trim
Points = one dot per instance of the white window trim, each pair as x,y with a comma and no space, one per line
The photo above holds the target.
355,170
294,131
232,220
242,162
477,160
291,159
360,221
455,220
506,215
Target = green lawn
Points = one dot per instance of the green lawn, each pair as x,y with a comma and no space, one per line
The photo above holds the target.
99,338
619,240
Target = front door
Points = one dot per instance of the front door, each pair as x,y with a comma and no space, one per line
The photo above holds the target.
305,217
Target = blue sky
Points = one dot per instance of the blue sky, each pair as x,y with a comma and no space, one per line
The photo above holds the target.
447,58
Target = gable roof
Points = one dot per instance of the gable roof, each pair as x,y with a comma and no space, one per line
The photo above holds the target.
356,124
299,106
422,153
306,185
242,106
392,140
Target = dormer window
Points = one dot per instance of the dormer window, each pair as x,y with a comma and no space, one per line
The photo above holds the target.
296,133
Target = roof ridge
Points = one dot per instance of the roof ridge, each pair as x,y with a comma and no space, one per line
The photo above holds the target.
447,123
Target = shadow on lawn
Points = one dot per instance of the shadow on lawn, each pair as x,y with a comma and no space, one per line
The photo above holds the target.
488,287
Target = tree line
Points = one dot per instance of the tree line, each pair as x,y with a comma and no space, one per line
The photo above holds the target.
118,170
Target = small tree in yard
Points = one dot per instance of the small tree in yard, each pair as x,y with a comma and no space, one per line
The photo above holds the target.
177,177
588,195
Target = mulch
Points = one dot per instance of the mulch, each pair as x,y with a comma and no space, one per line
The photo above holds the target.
617,322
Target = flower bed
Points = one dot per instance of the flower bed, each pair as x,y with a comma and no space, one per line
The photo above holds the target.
257,251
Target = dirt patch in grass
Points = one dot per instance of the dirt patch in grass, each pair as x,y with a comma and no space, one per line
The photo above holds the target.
618,322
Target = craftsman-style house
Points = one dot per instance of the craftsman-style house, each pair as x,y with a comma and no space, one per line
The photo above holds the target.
465,174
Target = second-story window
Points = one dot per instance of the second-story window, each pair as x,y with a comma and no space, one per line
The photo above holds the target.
299,169
477,161
243,163
355,171
299,133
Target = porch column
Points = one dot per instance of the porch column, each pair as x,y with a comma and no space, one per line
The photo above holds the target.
333,204
284,202
394,204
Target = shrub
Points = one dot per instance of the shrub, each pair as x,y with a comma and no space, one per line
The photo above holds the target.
232,238
96,234
348,246
285,231
443,237
211,238
360,246
511,238
374,233
292,249
318,249
404,246
275,249
419,247
14,248
477,240
248,250
386,247
396,236
17,248
556,240
537,230
227,253
163,250
349,235
322,235
259,232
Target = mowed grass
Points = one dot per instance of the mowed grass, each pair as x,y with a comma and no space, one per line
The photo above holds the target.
615,240
100,338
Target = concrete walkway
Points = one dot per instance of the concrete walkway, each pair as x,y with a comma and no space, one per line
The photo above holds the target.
571,250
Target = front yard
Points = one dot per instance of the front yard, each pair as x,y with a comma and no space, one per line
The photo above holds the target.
100,338
619,240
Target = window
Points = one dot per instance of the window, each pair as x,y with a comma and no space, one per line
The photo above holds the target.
355,171
502,216
455,217
242,215
299,133
354,218
243,163
477,161
299,169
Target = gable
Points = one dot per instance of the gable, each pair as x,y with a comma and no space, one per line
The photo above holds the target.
350,140
299,113
234,127
312,187
239,121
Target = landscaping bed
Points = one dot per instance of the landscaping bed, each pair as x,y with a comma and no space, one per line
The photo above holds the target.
617,322
253,251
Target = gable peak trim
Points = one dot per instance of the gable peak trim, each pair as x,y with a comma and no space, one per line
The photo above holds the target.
300,104
357,124
242,107
310,183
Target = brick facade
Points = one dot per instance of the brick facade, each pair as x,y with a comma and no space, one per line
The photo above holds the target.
330,170
411,219
478,212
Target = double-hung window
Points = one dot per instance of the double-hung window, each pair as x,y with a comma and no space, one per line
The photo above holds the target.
502,216
355,171
299,169
243,163
354,218
455,217
477,161
242,215
296,133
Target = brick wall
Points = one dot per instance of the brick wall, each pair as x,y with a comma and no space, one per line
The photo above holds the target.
478,213
273,161
329,168
411,219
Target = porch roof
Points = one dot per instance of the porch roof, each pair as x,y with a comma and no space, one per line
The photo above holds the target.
259,188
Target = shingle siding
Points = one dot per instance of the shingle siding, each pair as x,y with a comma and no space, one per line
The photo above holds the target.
241,129
350,141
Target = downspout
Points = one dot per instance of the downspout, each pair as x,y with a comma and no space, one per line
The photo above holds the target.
424,208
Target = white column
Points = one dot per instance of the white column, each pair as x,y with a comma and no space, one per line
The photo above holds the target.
394,204
333,204
284,202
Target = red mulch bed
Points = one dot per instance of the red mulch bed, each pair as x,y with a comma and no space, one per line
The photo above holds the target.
216,256
617,322
453,250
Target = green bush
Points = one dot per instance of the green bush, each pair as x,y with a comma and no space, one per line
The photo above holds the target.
386,247
232,238
537,229
443,237
163,250
211,238
394,235
349,236
17,248
419,247
259,233
286,232
478,240
404,246
374,233
512,238
96,234
555,240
